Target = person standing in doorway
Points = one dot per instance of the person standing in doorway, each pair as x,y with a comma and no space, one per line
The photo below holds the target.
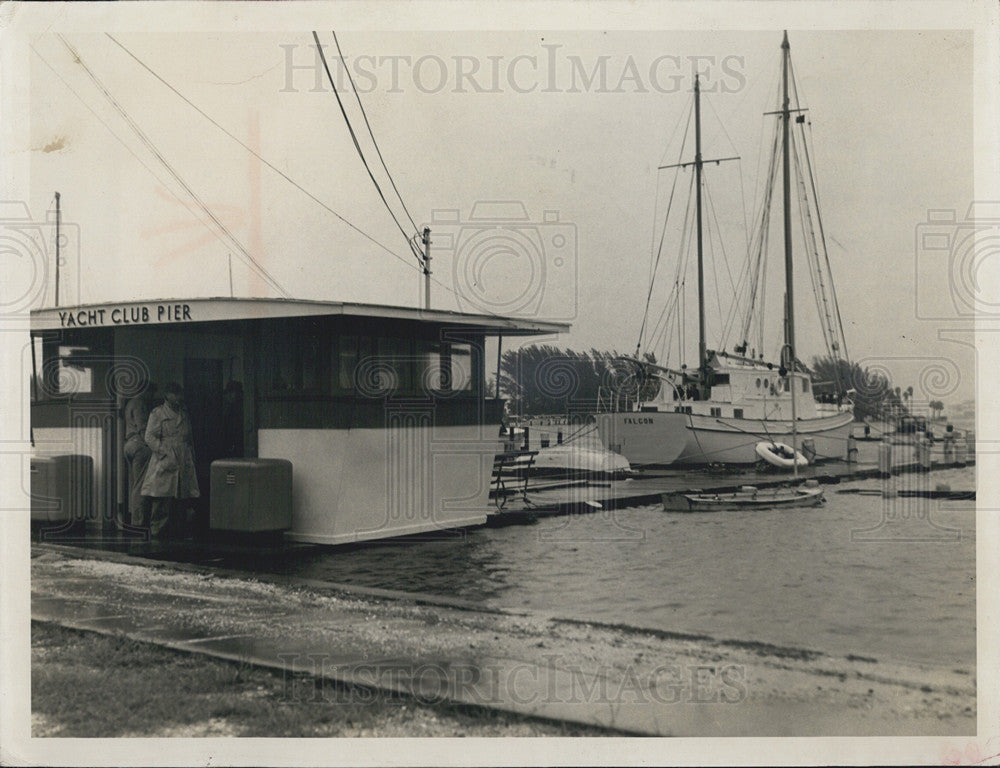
170,477
137,453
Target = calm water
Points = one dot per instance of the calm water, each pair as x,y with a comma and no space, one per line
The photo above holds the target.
862,575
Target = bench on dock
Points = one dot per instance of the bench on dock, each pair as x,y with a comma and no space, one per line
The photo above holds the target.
511,466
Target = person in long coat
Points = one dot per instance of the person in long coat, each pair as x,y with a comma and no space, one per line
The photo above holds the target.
137,453
170,476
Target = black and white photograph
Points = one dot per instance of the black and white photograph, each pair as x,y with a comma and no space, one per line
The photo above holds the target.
499,383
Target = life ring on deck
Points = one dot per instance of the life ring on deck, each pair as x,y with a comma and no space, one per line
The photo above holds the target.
781,455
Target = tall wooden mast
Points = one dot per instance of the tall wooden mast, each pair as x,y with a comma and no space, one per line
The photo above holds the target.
789,346
702,348
698,164
787,195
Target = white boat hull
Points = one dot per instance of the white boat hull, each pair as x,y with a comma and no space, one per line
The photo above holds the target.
712,440
667,438
648,438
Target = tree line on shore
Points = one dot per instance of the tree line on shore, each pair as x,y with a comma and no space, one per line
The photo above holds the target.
544,379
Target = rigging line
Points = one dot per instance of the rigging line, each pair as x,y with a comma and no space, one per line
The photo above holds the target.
722,243
249,259
676,294
652,265
663,232
678,309
679,268
822,236
776,99
270,165
819,287
809,244
711,245
361,154
722,125
761,240
370,133
686,122
761,286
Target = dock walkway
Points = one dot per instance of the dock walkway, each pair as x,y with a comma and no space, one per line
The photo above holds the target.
545,497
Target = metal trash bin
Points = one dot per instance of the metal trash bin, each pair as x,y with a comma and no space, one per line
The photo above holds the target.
251,495
62,488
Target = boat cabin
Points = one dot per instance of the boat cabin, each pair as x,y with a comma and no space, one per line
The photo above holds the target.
382,411
744,388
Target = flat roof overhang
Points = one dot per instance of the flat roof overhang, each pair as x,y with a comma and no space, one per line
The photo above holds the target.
163,312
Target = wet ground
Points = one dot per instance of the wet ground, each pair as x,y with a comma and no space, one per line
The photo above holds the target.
528,662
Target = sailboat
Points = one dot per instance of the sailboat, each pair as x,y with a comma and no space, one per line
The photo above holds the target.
719,412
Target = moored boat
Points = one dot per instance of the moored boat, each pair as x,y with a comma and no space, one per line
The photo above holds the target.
747,497
717,412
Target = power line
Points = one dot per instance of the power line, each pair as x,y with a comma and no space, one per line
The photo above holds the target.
163,161
257,155
120,140
361,154
370,133
248,258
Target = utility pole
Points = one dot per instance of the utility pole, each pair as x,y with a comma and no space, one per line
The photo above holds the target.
426,239
57,249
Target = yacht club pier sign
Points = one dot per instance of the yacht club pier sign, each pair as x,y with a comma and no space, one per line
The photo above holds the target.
133,314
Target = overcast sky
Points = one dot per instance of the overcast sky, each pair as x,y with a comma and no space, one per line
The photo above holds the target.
571,124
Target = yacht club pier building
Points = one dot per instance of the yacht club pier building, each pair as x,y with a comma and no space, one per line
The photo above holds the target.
382,411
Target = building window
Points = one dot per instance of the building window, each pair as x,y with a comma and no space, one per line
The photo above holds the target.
462,379
395,364
737,413
715,411
433,368
65,370
344,350
297,366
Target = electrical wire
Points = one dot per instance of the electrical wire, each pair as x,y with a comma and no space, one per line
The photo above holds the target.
257,155
370,133
148,143
361,154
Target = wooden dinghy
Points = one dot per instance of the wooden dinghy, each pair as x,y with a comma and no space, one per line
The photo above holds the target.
747,497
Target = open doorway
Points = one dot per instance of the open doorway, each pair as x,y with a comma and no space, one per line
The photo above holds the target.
203,396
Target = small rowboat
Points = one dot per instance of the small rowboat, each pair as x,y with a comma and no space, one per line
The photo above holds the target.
747,497
780,455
